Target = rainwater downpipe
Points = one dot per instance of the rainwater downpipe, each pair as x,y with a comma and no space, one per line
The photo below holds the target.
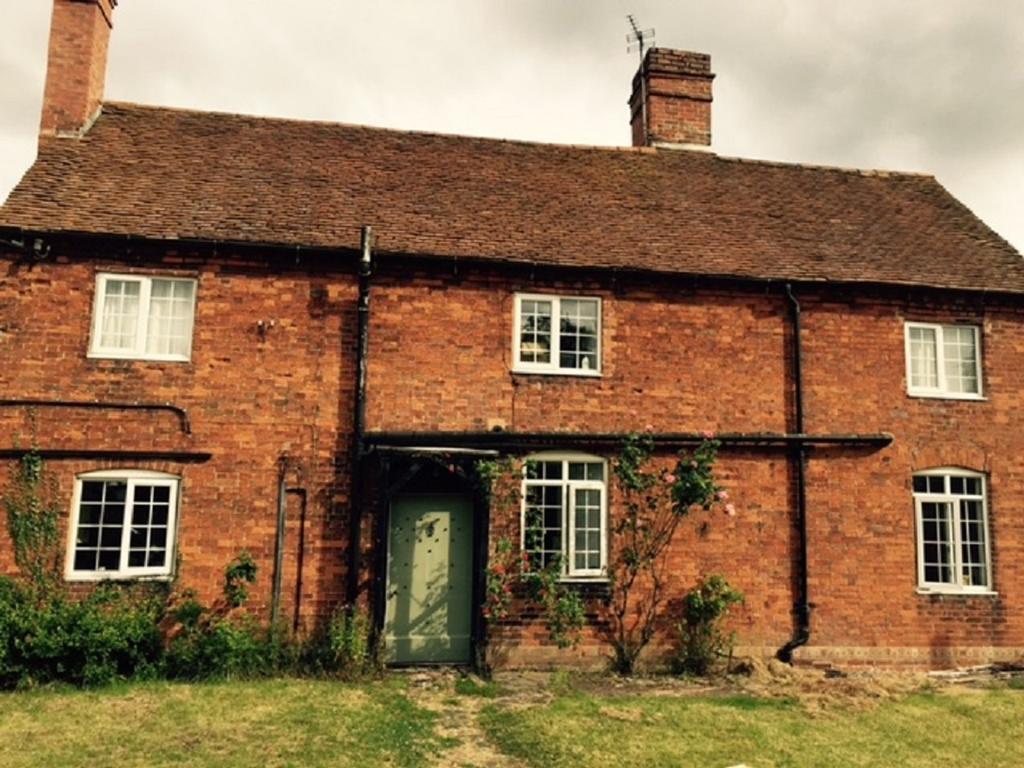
282,511
803,605
359,415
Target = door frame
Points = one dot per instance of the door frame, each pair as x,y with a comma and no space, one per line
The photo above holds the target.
387,492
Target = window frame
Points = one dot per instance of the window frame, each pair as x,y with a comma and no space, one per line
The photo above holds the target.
568,527
142,323
957,587
553,368
942,391
131,477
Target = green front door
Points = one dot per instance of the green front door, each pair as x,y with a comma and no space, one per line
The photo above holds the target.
430,587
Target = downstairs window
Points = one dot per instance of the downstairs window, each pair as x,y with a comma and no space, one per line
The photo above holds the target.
565,514
952,531
122,525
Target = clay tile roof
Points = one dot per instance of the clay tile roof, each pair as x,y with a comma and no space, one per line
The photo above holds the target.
164,173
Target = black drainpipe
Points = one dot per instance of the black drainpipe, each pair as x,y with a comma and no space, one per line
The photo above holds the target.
282,511
803,605
359,420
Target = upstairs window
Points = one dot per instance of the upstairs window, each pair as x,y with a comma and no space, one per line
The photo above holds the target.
557,334
565,514
943,360
122,525
952,531
145,318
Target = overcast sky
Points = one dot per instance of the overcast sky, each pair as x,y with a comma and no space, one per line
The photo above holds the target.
920,85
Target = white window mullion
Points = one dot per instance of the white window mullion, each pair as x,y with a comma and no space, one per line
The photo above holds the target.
951,538
568,528
556,334
979,378
145,295
987,534
940,361
919,513
126,530
517,332
955,539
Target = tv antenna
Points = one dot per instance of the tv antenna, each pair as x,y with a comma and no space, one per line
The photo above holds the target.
638,39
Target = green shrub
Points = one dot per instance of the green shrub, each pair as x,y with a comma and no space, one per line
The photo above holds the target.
701,639
226,647
222,641
350,637
109,635
345,647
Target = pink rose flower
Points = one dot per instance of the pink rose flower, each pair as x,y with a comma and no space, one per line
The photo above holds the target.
670,478
730,510
722,495
707,434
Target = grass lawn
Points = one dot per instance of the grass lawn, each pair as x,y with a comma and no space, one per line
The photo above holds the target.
975,728
453,721
276,723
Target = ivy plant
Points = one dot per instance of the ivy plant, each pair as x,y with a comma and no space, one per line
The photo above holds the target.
33,513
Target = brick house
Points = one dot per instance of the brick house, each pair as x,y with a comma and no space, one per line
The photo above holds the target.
295,338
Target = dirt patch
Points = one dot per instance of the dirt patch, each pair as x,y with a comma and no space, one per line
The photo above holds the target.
459,721
815,689
822,689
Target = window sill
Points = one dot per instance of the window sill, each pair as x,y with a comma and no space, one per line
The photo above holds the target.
139,358
567,372
946,396
94,578
953,592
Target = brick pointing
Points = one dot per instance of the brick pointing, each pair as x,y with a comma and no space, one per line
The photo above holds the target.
677,357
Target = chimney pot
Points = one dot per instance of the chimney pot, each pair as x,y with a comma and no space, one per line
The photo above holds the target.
77,65
671,100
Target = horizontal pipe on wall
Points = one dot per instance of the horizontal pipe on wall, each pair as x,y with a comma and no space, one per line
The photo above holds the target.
458,441
181,413
101,454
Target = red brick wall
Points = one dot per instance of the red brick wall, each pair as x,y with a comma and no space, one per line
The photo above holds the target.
250,400
862,535
675,358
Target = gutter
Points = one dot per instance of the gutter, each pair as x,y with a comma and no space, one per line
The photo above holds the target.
359,417
803,606
41,247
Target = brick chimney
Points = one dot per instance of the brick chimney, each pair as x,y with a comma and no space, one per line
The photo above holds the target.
671,101
77,65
